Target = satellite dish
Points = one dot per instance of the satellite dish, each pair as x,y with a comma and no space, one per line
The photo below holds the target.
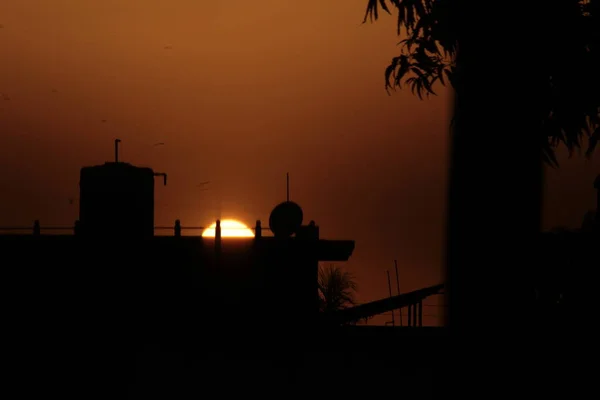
285,219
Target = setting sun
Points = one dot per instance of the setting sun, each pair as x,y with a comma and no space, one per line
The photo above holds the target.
229,228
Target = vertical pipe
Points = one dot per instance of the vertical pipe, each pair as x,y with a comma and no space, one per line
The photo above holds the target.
287,186
164,175
390,288
398,287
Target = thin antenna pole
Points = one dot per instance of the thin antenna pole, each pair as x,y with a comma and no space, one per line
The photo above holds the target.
287,185
398,286
390,288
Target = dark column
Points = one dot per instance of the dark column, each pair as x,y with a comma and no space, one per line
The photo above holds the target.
258,230
177,228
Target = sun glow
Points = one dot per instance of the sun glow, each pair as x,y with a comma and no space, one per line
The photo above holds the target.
229,228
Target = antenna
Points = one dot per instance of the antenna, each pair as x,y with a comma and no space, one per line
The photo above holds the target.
218,199
398,286
287,185
390,288
117,141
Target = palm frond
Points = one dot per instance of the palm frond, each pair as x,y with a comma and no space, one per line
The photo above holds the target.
337,288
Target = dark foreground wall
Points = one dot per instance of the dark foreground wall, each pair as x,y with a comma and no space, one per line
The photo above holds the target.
169,280
79,312
231,363
348,360
564,278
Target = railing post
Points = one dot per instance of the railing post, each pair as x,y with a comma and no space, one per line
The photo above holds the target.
77,228
218,235
258,229
420,314
314,230
414,317
36,227
177,228
410,314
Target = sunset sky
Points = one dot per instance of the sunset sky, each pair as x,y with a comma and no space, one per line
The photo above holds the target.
240,92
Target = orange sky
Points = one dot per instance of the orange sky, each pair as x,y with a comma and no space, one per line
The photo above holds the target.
241,93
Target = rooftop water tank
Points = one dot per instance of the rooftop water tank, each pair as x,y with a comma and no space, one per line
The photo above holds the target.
117,199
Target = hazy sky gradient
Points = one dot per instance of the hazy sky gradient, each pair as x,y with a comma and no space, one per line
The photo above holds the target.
241,93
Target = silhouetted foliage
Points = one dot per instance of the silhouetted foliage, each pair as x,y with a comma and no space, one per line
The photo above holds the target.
337,288
572,30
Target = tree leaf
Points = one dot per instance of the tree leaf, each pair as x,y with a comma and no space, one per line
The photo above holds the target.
572,48
593,142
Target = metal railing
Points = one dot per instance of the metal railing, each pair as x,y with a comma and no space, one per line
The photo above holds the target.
37,229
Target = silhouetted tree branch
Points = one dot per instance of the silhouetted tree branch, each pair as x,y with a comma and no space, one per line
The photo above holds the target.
572,46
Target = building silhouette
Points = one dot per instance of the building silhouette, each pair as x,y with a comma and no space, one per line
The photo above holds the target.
112,287
113,265
563,278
